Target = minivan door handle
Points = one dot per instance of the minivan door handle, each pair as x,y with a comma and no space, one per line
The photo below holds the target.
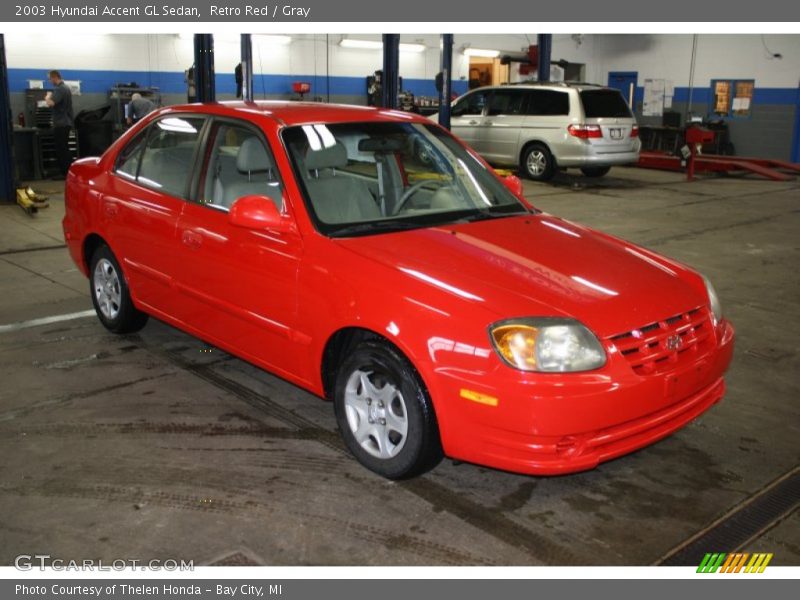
473,122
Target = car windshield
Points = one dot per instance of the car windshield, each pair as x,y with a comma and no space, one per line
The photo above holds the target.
366,178
604,103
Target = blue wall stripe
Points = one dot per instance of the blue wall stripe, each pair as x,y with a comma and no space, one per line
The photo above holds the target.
98,82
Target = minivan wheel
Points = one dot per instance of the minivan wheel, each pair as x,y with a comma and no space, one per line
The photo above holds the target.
538,163
384,413
595,171
110,295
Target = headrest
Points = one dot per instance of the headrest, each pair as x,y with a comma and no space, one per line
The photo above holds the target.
334,157
253,157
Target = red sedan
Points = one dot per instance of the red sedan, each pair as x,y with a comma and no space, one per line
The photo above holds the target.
371,258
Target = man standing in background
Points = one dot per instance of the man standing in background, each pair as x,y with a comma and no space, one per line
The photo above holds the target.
60,100
138,108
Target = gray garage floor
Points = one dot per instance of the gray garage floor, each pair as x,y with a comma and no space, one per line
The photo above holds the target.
156,446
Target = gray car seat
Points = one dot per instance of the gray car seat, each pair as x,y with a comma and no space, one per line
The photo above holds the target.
256,175
337,196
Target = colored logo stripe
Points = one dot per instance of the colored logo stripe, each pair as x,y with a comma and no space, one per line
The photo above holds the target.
734,563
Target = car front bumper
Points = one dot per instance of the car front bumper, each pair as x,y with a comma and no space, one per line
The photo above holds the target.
574,422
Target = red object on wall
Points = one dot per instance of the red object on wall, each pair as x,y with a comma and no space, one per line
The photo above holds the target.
533,61
301,87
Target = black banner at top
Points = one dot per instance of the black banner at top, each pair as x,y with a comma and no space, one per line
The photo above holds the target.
464,11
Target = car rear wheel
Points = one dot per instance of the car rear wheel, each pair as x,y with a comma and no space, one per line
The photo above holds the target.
538,163
110,295
384,413
595,171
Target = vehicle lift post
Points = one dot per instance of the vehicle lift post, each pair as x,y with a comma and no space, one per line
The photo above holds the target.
204,67
7,189
247,67
695,136
545,41
446,89
391,69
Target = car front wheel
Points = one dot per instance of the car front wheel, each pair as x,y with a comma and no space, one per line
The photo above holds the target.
538,163
110,295
384,413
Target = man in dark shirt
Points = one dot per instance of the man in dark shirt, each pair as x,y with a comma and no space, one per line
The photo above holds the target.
60,100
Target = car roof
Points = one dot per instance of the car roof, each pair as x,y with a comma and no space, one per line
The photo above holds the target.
300,113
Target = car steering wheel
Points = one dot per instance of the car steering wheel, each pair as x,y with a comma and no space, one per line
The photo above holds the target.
414,189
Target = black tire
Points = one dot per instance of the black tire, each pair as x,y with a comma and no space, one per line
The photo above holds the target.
537,163
388,371
111,297
595,171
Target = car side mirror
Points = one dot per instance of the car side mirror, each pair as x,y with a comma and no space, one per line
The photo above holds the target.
257,212
514,185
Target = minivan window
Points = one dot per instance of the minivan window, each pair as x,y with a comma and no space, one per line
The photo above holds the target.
547,103
507,102
470,105
604,103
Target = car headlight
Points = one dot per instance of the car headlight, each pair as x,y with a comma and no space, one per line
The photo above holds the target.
545,344
713,300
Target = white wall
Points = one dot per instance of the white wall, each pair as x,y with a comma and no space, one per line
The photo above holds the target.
718,57
652,56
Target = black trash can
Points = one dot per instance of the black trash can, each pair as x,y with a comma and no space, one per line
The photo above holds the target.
95,131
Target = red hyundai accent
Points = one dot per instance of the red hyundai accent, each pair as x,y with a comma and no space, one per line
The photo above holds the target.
371,258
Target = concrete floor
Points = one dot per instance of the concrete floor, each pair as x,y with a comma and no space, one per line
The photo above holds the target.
155,446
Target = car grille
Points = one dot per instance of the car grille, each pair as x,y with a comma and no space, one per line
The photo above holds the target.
661,346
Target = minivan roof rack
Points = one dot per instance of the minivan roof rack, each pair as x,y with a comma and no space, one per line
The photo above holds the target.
557,83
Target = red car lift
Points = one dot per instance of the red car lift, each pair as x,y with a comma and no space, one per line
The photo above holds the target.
713,163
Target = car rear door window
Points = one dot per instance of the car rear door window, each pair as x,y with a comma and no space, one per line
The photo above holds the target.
506,102
604,104
473,104
547,103
169,154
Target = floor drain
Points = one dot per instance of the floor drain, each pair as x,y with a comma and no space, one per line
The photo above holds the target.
744,523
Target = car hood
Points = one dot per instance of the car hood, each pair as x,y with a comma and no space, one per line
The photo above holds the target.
540,265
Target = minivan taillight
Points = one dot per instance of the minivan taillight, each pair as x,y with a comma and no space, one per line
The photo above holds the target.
585,132
635,131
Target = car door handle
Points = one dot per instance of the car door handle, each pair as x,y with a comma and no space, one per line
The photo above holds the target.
191,239
473,122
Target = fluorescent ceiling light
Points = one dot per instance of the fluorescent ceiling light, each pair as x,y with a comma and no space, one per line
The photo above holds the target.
481,52
376,45
276,40
361,44
412,47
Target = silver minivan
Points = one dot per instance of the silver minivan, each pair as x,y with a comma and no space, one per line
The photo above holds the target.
542,127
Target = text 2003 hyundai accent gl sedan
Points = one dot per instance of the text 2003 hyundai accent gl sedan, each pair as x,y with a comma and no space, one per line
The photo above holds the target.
372,259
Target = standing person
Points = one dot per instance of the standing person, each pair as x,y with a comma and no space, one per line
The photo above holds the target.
60,100
138,108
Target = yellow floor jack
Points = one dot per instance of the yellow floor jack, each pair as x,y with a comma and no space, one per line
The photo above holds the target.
31,201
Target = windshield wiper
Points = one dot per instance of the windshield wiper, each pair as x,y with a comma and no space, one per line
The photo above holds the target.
374,227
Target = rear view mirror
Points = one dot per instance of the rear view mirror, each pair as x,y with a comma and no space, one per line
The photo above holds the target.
257,212
381,144
514,185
